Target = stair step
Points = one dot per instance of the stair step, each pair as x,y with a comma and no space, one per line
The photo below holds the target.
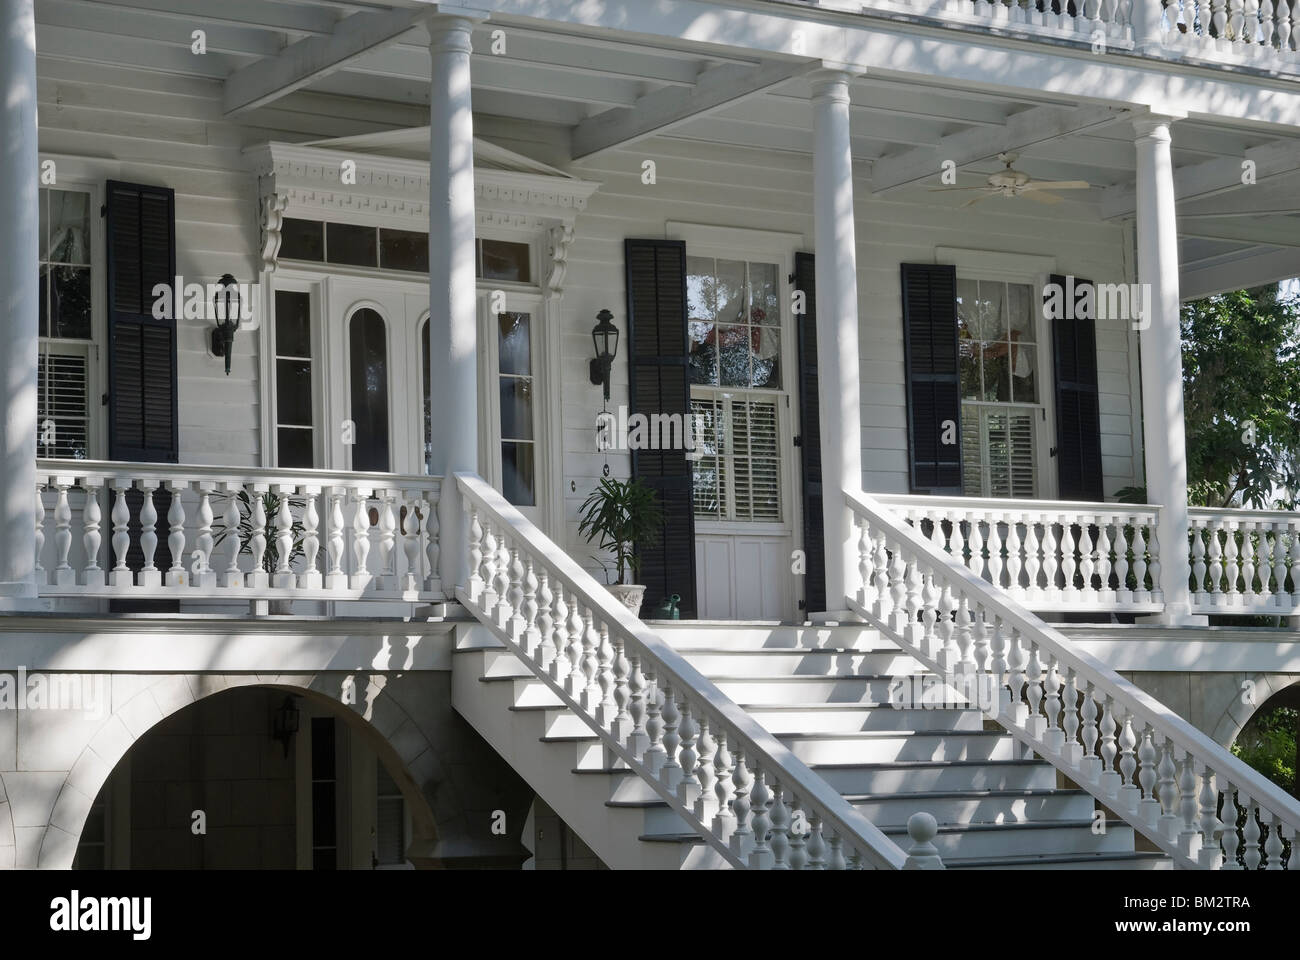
695,634
1096,861
817,663
1027,839
870,690
975,806
875,746
909,776
782,718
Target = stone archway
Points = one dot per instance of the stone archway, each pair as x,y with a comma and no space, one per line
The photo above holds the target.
1262,687
390,729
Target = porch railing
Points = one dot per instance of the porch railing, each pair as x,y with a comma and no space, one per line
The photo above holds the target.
1051,556
1245,561
168,531
1198,803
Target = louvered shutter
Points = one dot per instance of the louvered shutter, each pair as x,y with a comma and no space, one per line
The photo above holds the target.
1078,419
141,349
810,438
659,384
756,461
933,377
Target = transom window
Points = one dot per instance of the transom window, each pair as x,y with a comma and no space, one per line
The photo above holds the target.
997,334
295,446
735,323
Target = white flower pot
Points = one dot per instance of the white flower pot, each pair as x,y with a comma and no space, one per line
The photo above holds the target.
631,594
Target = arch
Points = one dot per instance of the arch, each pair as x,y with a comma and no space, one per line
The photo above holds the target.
369,338
389,728
1239,712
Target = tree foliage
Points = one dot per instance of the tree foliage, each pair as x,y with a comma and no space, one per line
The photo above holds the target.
1241,390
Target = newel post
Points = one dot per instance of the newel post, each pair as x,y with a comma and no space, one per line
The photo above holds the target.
922,828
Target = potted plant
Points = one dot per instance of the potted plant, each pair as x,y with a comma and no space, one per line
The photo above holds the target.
622,514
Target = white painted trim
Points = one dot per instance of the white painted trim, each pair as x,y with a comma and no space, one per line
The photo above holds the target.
997,264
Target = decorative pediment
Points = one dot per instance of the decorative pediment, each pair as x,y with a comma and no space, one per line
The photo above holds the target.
322,183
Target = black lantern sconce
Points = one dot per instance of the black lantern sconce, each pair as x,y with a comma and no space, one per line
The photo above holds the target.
226,310
605,337
285,724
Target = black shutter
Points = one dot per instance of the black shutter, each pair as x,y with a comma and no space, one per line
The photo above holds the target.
141,349
933,377
1078,419
810,439
142,421
660,384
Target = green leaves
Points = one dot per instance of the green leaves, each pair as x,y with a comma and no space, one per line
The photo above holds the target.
622,514
1241,394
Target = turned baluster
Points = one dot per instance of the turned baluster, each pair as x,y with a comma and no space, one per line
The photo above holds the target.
234,577
883,601
257,577
1140,592
205,577
433,546
636,685
1285,27
1122,591
575,681
1198,564
409,520
724,820
900,590
1250,835
386,555
1051,559
1293,862
1128,794
1219,20
64,575
1210,825
1216,555
1273,846
976,560
1248,561
1149,807
490,597
1089,763
608,709
150,575
1280,597
1104,565
283,576
311,577
360,579
1068,564
1036,723
1070,717
475,545
998,650
514,593
915,590
1235,19
995,550
41,577
121,575
1250,22
503,575
1294,529
929,612
1014,560
865,585
1017,660
816,844
1087,562
760,854
545,652
779,818
1110,780
176,576
91,538
1054,735
558,658
1167,791
1229,835
670,772
1189,834
1231,568
741,780
590,665
1033,557
979,627
950,655
622,725
706,800
336,579
528,608
689,757
799,829
655,754
965,635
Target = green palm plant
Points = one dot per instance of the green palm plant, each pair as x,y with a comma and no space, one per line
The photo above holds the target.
622,514
271,506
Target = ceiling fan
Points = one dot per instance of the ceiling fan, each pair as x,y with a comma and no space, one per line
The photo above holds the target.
1015,183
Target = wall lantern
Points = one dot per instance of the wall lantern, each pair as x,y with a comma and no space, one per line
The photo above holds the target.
605,337
285,724
225,309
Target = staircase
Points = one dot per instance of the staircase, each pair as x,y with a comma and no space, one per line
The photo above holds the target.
824,692
704,746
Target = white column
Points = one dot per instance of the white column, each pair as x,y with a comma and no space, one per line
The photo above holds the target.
1162,360
19,291
453,325
837,326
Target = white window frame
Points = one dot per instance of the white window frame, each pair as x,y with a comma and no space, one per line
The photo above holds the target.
1033,270
94,349
291,281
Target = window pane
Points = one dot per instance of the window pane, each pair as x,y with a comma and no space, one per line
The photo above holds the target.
988,320
517,473
403,250
704,352
513,343
1024,379
428,396
302,240
730,280
350,244
502,260
369,390
69,228
997,373
293,448
701,295
971,358
517,408
733,355
65,302
767,362
1019,315
293,392
292,324
764,296
61,395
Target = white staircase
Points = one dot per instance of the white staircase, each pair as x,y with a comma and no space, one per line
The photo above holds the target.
824,693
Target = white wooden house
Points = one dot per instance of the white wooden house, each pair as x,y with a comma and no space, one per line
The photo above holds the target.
910,270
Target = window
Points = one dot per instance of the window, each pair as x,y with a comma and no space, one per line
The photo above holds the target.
66,325
295,446
734,312
515,383
503,260
390,820
997,334
324,795
368,366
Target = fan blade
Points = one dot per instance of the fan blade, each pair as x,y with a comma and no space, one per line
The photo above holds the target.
946,189
974,200
1057,185
1048,198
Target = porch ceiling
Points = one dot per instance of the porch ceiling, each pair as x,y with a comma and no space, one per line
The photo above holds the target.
555,82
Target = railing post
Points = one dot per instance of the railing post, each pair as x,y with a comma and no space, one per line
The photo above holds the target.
1148,35
922,828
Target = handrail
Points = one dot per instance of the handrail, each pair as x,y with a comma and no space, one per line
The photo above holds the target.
110,469
1171,779
652,708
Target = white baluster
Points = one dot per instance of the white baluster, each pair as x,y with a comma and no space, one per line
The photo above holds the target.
177,575
64,575
1285,26
1140,592
995,549
1033,556
149,575
1014,560
233,577
360,579
1104,565
1232,571
433,547
311,578
42,578
1123,594
91,538
410,524
1248,561
205,577
1198,564
1051,559
258,577
1068,564
386,558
